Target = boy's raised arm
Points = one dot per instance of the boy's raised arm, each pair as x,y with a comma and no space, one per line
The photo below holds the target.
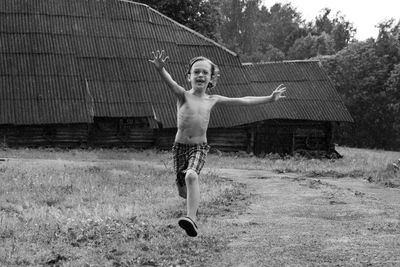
159,62
253,100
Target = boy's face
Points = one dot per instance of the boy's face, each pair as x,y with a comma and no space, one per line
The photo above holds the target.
200,74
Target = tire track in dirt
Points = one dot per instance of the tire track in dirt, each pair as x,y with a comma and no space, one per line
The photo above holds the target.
300,221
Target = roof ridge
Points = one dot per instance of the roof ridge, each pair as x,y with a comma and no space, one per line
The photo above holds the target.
183,26
280,62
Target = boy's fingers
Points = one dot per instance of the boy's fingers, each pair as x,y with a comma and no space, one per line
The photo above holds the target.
280,86
159,56
280,90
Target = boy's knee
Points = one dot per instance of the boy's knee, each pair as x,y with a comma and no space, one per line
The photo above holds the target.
191,176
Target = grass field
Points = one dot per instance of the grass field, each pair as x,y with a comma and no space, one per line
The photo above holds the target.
119,207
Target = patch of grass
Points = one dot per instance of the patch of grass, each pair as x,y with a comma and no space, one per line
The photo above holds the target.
107,208
374,165
74,212
388,176
223,197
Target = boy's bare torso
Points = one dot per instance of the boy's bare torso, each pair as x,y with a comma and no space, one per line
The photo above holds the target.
193,118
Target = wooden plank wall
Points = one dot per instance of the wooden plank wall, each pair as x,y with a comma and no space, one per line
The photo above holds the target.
121,132
64,135
290,137
282,137
229,139
134,138
223,139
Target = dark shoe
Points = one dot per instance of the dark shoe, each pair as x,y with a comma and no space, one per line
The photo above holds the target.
181,185
188,225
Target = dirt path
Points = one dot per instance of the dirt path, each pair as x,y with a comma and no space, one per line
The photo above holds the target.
299,221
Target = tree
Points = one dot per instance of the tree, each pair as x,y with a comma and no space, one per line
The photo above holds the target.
393,93
312,46
367,75
200,15
250,18
269,54
341,30
323,23
282,27
239,19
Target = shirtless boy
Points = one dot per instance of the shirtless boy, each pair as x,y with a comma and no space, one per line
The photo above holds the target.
193,114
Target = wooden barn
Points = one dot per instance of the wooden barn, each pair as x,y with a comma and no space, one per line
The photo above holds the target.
76,73
304,123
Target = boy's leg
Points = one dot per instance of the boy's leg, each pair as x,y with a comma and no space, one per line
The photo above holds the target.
180,166
195,164
181,184
193,193
193,200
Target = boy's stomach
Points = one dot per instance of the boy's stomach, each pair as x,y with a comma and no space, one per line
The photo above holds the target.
191,136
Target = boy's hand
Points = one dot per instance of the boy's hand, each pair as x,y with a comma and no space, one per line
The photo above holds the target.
159,59
278,93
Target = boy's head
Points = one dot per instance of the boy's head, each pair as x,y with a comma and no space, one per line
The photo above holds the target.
202,70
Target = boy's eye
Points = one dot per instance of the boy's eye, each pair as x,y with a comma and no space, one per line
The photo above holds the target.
197,72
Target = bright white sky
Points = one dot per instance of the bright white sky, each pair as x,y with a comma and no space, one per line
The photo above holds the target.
364,14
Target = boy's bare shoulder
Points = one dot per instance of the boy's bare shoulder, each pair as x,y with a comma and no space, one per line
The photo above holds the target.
214,96
217,97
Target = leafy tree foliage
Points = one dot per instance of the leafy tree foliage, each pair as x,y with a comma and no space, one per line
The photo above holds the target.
259,34
367,74
340,30
231,25
199,15
312,46
283,26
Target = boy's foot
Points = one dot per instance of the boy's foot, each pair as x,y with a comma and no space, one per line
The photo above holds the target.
188,225
181,185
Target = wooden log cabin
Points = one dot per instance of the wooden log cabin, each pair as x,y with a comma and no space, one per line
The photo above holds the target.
76,74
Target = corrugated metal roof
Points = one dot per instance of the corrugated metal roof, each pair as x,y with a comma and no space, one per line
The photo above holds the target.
59,60
310,93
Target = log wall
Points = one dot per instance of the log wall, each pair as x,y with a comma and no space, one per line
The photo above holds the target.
309,138
63,135
313,139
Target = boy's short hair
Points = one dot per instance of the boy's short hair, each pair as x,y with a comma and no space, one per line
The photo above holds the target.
214,70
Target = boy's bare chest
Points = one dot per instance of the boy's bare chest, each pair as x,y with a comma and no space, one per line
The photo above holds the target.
196,106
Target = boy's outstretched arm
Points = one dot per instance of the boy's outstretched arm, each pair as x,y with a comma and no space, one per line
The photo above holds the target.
159,59
253,100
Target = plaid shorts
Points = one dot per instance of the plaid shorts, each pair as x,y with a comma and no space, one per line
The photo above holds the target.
189,157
